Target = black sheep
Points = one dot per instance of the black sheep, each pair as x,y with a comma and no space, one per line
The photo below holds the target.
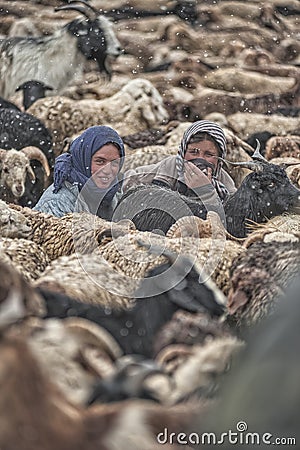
32,91
157,208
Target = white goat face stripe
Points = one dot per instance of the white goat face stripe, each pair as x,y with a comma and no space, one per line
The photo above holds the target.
113,45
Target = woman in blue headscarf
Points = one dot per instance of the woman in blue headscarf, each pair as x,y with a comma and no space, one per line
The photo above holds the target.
86,178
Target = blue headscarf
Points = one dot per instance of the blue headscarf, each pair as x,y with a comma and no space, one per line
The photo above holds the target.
75,166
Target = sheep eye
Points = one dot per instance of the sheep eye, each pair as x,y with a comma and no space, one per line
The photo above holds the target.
5,170
271,185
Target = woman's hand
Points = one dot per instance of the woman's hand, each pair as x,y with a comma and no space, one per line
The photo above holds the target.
194,177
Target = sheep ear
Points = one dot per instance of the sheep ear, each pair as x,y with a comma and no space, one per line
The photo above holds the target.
2,156
31,173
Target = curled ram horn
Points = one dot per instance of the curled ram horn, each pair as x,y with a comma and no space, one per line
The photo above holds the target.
94,335
35,153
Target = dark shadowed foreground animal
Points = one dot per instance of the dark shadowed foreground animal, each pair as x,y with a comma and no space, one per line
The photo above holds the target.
7,104
262,389
127,382
265,193
36,415
167,288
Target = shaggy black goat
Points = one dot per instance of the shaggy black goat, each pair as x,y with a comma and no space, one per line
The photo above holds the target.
157,208
167,288
55,60
265,193
19,130
32,91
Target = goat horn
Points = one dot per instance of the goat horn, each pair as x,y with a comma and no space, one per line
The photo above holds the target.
35,153
75,8
86,4
257,155
251,165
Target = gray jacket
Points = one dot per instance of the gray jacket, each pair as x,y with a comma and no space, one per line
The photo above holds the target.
67,200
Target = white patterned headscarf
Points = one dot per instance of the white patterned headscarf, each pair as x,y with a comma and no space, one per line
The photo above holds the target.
217,134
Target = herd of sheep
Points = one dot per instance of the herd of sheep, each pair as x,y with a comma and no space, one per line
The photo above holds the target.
131,334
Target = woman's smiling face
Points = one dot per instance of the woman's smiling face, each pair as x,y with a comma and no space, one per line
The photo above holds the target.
105,165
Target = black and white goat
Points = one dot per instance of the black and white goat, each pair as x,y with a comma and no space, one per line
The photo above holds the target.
55,60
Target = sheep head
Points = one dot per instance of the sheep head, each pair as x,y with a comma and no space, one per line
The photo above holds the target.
147,100
15,166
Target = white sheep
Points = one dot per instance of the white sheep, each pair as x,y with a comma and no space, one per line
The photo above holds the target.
136,107
248,123
14,168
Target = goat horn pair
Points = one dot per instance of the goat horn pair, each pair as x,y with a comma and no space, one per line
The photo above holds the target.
79,8
36,153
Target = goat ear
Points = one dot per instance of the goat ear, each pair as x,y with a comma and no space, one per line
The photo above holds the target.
31,173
